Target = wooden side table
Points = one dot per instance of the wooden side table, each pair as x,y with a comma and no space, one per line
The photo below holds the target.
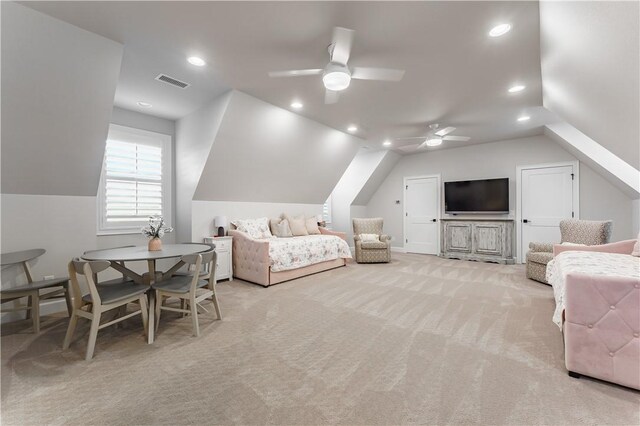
224,251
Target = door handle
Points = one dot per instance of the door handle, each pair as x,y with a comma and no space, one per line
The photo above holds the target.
434,220
525,221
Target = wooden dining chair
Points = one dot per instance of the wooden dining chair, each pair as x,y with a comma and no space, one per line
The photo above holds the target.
32,289
100,299
194,288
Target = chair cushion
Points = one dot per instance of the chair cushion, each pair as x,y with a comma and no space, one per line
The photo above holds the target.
539,257
117,291
373,245
178,284
37,285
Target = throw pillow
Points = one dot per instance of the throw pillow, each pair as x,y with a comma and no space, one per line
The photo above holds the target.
297,225
636,247
369,237
273,223
312,226
282,229
256,228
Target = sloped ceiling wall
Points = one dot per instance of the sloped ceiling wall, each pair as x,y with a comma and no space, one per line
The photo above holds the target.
58,84
590,70
378,176
263,153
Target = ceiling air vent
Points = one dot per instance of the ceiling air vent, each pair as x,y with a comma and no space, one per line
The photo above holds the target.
174,82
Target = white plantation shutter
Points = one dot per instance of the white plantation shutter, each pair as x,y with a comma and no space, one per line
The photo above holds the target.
326,210
133,182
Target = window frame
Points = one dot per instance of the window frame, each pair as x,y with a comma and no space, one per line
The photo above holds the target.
159,139
328,204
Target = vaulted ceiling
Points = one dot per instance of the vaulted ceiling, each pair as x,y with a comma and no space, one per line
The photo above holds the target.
455,74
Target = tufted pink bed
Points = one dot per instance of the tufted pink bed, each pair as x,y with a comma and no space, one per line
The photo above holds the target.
598,292
251,260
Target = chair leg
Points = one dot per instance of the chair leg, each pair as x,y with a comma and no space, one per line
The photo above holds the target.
67,298
73,321
194,316
183,305
35,308
93,332
29,302
144,311
216,304
159,299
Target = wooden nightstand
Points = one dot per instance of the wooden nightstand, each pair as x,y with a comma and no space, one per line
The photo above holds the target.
224,251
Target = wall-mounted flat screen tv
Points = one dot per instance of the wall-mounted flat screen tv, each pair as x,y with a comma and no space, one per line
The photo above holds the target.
477,196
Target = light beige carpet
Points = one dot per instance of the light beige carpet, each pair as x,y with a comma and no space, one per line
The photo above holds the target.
420,340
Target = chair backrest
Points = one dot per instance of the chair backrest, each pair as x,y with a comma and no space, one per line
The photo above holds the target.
589,232
88,269
367,225
202,262
22,258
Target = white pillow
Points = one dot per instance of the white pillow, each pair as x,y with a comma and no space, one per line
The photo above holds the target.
369,237
256,228
311,223
282,229
572,244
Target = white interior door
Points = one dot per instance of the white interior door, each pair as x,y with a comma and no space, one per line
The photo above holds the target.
422,211
547,195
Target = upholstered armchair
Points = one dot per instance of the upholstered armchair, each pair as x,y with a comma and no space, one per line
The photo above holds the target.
587,232
371,249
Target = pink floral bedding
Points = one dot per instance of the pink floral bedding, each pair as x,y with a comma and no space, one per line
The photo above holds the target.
298,252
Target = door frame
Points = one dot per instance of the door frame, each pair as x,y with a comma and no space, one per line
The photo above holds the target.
404,207
576,197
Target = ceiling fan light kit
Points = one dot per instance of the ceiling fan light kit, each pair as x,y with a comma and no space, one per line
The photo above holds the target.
434,141
336,77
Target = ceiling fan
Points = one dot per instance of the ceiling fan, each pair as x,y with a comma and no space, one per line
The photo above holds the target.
435,137
337,75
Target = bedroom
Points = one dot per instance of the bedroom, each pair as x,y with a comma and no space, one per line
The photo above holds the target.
429,337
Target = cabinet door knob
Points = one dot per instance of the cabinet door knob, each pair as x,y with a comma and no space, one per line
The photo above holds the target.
434,220
525,220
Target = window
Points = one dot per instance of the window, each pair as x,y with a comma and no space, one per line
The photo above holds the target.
326,210
136,180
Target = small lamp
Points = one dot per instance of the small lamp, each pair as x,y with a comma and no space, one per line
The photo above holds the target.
220,222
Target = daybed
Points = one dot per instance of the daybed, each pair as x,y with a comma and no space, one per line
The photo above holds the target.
597,292
274,260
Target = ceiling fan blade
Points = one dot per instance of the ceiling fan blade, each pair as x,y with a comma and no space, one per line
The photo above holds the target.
296,73
384,74
413,137
331,97
341,41
445,131
456,138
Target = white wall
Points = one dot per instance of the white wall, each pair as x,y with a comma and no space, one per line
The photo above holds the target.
598,198
195,134
65,226
58,84
590,54
203,213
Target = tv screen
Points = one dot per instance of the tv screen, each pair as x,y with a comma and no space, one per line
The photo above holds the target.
477,196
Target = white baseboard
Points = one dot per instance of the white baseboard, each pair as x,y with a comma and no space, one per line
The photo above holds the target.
47,307
398,249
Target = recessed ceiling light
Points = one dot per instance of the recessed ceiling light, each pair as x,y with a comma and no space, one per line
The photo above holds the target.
352,128
499,30
144,104
386,143
296,105
524,118
198,62
517,88
434,142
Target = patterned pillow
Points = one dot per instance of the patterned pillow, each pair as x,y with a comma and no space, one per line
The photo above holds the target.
636,247
256,228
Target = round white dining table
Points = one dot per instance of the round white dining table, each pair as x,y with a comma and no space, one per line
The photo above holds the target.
118,256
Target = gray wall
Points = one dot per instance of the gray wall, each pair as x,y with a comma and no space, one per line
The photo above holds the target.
263,153
195,134
590,70
58,84
598,198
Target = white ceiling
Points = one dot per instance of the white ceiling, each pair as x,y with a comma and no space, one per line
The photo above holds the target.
455,74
